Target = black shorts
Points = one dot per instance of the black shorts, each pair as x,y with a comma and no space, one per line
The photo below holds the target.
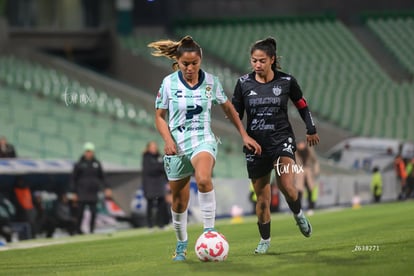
261,165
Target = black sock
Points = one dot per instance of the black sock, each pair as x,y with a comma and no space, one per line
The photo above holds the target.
295,206
264,229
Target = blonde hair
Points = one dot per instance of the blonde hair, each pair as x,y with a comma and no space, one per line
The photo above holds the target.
175,49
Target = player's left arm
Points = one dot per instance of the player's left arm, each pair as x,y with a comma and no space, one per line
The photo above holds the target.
297,98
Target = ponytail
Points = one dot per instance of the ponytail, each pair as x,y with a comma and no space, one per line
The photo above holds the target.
175,49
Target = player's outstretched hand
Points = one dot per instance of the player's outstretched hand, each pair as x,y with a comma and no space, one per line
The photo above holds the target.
312,139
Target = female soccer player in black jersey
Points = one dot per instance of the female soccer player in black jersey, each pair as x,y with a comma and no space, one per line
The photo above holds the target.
263,95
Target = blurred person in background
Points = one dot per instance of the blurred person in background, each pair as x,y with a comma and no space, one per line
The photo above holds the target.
376,184
7,212
43,221
153,183
401,174
264,94
168,201
252,197
53,214
410,179
183,119
6,150
305,178
62,214
87,181
26,212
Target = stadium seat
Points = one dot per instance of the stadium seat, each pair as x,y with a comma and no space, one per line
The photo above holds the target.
119,142
6,113
398,36
74,131
111,156
22,117
57,147
30,139
47,124
44,123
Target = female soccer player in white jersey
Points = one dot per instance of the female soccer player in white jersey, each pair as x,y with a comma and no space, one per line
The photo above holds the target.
187,96
263,95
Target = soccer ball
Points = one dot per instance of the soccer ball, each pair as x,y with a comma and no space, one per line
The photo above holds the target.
212,246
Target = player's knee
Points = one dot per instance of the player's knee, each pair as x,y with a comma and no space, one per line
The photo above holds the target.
204,184
262,206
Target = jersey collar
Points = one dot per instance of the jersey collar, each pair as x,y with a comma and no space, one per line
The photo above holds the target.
201,77
275,76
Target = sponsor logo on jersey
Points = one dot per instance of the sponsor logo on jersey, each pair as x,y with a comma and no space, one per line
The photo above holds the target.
193,110
244,78
262,101
288,148
260,125
252,93
178,93
181,128
195,128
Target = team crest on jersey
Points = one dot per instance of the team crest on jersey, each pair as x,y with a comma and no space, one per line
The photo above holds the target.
208,92
277,90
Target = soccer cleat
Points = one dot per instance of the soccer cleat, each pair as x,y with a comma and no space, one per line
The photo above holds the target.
304,225
180,251
262,247
209,229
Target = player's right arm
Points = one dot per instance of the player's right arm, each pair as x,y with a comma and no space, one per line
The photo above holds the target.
161,110
161,124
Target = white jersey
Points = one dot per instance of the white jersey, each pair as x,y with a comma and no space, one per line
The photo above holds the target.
189,108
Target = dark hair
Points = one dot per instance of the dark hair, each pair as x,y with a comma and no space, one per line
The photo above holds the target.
267,45
175,49
187,44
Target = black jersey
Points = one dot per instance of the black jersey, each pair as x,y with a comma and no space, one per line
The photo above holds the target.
266,106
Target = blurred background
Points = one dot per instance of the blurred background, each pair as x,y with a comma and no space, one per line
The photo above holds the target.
73,71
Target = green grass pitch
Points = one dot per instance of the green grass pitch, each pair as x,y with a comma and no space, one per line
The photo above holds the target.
372,240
